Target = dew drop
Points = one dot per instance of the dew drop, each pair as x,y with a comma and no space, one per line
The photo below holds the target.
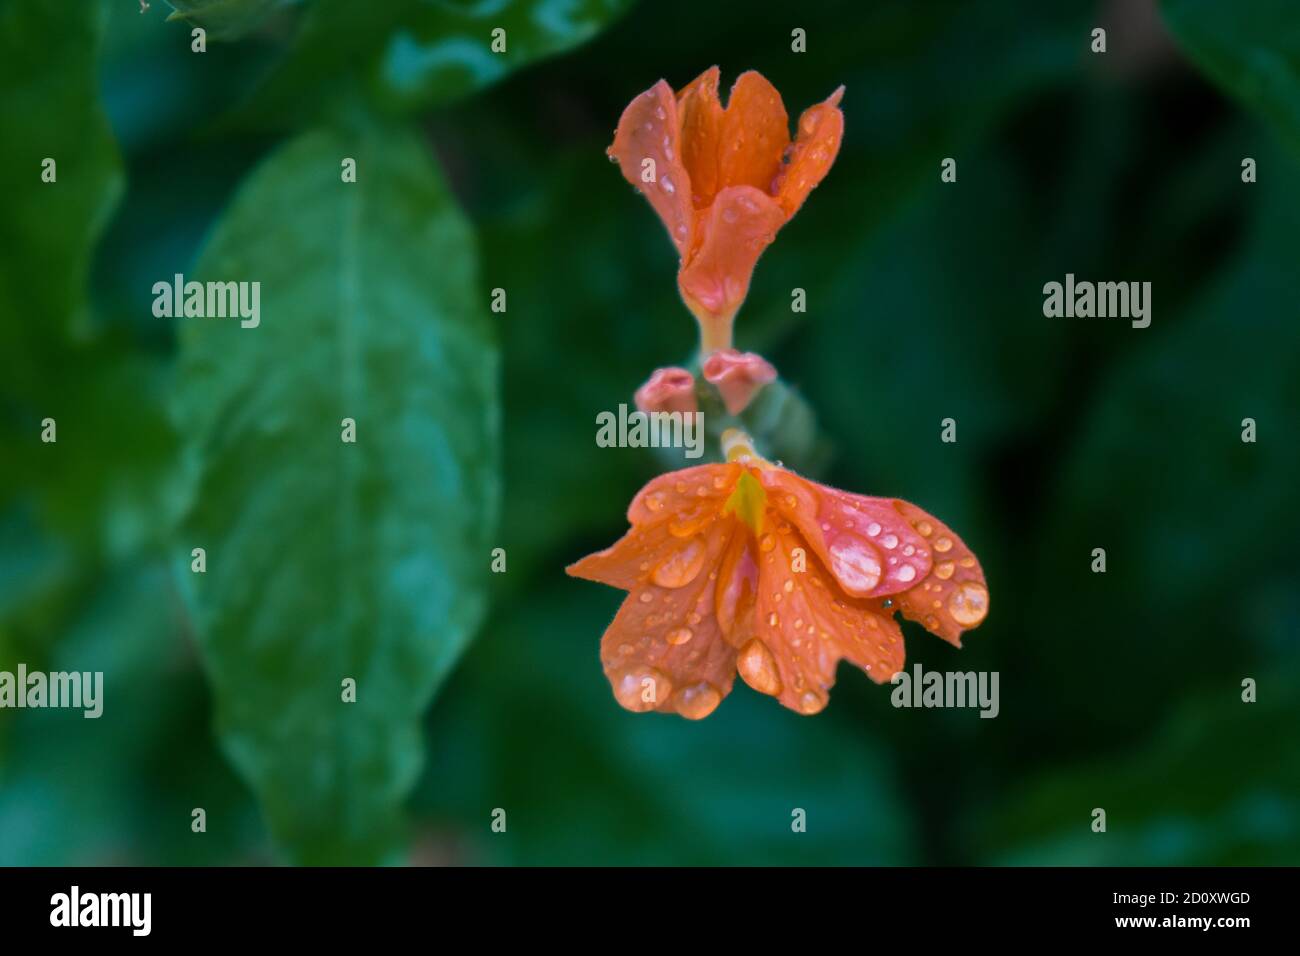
679,636
943,544
646,597
680,567
906,573
943,571
697,701
641,688
873,529
968,604
810,703
890,541
855,564
757,667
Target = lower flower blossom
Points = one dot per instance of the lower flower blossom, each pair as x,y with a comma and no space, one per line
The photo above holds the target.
746,567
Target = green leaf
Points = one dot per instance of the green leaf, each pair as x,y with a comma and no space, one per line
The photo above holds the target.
414,54
1250,48
48,110
224,19
328,560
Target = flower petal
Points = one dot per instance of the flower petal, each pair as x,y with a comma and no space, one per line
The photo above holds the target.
738,376
664,650
954,596
816,145
755,134
867,546
669,389
700,112
731,235
668,516
806,624
649,129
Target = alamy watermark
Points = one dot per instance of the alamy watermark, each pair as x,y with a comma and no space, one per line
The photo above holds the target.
210,300
64,689
639,429
1101,300
946,689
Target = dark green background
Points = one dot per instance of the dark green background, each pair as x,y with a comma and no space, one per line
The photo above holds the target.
1118,690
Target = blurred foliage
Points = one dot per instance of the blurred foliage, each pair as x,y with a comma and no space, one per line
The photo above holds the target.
393,527
1119,690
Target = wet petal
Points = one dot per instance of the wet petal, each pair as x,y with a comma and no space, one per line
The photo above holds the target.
732,234
668,390
806,623
700,112
755,134
649,129
954,596
869,548
664,650
668,516
816,145
738,376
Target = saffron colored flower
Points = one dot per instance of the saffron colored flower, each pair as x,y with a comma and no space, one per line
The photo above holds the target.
723,180
745,567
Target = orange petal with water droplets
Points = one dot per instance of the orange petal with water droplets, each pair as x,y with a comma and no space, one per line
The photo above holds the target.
954,596
755,133
701,114
670,516
808,624
664,651
869,549
649,129
732,234
816,145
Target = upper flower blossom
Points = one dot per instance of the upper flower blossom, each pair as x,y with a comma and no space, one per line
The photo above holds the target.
723,180
745,567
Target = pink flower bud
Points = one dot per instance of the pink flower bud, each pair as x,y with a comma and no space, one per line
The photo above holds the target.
668,390
738,376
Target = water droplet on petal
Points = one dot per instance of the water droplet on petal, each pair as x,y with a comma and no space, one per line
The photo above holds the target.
681,567
766,543
757,667
646,597
855,564
654,502
641,688
679,635
667,185
906,573
772,619
943,544
810,703
968,604
873,529
890,541
697,701
943,571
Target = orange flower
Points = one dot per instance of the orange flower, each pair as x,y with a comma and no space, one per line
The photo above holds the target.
723,180
747,567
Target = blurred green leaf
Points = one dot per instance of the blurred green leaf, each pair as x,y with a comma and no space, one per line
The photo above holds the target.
1251,48
224,19
415,54
119,789
48,110
329,560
